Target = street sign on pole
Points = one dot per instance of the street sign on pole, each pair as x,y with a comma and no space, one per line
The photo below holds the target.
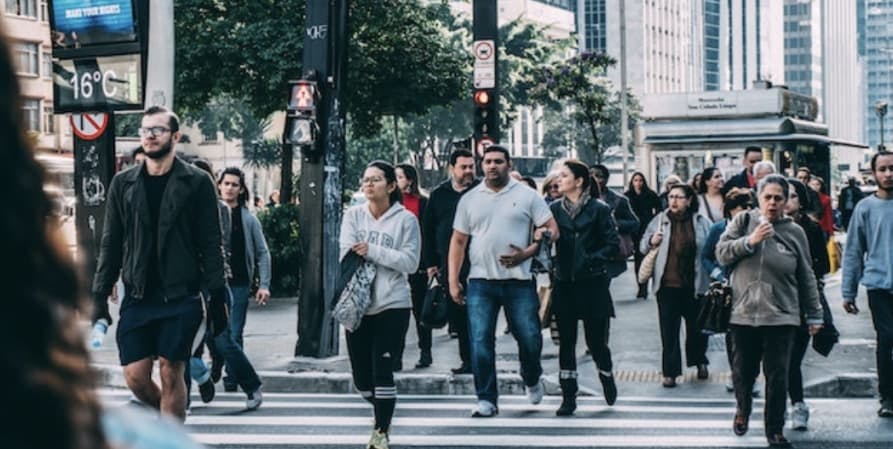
484,64
89,126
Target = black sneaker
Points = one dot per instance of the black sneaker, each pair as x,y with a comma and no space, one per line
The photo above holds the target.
425,360
778,440
886,410
206,390
230,388
609,388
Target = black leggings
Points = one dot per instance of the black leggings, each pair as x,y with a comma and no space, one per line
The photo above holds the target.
372,348
795,375
588,300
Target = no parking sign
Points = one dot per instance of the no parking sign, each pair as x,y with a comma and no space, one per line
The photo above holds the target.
89,126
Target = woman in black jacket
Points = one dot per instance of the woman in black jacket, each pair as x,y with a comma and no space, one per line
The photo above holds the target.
798,207
587,244
646,205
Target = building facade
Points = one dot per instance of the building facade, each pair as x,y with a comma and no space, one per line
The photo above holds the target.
803,45
712,25
751,43
843,84
876,50
26,23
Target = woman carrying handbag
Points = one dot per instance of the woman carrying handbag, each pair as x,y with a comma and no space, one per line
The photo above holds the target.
385,234
588,242
678,235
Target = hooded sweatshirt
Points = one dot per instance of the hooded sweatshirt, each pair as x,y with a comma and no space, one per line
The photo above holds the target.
394,247
772,283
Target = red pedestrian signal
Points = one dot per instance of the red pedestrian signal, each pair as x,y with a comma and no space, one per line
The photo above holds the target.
482,98
304,95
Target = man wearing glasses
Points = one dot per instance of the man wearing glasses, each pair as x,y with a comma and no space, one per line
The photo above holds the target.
162,236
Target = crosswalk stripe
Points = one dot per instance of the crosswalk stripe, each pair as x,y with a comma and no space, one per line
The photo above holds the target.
231,439
579,423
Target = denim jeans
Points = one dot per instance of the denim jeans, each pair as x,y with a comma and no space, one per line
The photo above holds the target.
484,298
238,310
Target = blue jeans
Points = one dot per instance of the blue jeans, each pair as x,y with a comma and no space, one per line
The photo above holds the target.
521,304
238,310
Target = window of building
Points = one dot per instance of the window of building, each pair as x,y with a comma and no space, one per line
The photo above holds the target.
44,11
46,59
49,120
24,8
31,114
27,54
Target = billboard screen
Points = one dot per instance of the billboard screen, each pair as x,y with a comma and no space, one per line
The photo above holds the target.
84,23
98,84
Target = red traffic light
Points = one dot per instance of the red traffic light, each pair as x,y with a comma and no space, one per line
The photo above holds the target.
482,98
303,96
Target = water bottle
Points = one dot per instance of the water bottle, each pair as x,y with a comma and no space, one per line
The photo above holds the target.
98,334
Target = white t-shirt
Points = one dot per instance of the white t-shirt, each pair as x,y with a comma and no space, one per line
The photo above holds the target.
496,220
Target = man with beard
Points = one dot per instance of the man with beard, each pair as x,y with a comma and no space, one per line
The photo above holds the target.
868,259
437,228
162,236
497,217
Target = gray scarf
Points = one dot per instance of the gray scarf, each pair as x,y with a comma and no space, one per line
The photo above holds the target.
573,208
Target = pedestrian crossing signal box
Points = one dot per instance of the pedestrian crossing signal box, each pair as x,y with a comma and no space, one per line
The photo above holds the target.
302,127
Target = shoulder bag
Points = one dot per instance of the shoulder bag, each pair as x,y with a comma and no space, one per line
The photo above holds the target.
646,268
435,308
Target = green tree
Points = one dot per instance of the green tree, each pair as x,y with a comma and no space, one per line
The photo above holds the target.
580,85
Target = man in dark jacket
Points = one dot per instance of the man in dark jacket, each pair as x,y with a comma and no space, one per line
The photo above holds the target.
437,230
627,222
846,202
745,179
162,236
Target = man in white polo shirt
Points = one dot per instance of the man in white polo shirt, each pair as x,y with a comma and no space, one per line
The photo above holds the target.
498,216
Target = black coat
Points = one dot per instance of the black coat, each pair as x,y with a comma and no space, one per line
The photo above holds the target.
587,244
189,244
739,180
437,224
645,205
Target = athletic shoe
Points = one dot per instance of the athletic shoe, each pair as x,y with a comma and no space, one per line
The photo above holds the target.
799,416
535,392
886,410
207,391
254,399
485,409
378,440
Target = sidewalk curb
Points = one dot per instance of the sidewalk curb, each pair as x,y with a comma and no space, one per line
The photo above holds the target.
848,385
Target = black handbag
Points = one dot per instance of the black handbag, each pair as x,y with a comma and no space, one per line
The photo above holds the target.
435,310
716,309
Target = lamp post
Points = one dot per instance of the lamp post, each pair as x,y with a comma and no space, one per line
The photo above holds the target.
880,108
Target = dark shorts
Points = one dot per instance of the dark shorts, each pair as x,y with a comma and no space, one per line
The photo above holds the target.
154,328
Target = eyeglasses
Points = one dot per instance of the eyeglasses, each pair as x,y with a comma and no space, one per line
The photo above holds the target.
553,187
154,131
371,180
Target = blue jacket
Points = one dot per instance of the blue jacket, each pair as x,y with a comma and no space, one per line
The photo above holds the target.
708,255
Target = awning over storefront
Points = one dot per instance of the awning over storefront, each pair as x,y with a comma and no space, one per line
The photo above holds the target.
773,129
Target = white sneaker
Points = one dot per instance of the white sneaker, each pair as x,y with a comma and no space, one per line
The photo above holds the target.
535,392
255,399
485,409
756,389
799,416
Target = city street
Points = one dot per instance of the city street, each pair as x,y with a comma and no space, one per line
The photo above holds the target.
342,421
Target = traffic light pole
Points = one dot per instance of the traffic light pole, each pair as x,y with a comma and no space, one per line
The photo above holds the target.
485,30
322,165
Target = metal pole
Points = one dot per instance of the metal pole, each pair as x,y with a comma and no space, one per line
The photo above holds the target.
624,113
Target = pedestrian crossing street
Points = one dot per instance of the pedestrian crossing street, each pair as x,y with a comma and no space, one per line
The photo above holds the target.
334,421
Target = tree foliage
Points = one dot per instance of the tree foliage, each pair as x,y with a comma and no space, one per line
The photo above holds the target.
580,87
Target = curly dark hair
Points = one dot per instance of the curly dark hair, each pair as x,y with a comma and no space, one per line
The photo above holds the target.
44,366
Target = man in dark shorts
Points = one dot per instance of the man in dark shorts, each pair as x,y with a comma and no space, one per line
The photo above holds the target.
162,236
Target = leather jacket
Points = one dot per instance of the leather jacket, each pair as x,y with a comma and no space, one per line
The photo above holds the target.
588,242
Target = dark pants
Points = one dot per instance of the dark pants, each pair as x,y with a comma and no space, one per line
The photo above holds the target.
459,323
418,286
881,304
484,298
771,345
572,302
371,348
795,374
674,304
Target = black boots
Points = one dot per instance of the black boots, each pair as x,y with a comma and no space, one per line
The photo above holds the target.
425,360
568,393
609,387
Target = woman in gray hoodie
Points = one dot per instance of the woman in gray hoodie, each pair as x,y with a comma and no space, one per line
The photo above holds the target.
383,232
772,285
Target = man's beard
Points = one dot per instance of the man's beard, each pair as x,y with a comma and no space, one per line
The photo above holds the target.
162,152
